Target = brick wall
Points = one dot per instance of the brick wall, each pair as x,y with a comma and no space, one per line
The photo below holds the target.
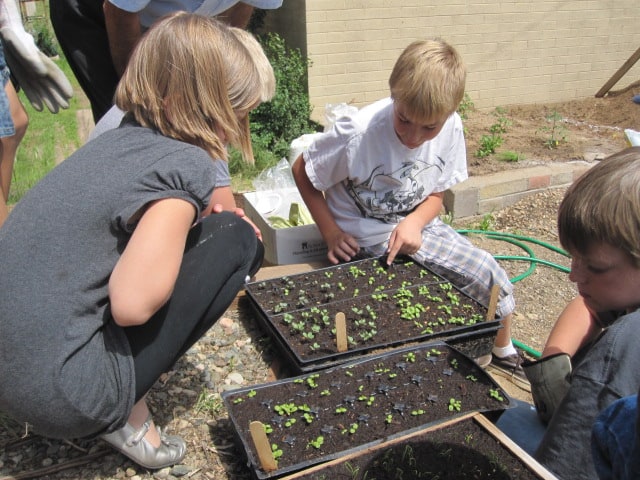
517,52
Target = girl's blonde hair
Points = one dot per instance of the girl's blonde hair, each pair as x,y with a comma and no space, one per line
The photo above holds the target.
188,78
240,84
265,69
429,79
603,206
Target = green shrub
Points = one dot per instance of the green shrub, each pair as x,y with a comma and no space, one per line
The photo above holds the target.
502,122
44,38
242,174
465,106
488,145
287,115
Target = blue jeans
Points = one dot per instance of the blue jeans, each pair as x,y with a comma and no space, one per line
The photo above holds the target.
615,441
7,128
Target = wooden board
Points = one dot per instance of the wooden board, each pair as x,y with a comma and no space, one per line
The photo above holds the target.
619,74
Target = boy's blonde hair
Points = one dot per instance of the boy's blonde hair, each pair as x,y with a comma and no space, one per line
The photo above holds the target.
429,79
187,78
603,206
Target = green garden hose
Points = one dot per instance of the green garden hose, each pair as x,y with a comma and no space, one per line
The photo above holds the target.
519,241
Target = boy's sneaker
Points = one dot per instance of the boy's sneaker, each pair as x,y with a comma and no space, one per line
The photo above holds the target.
510,367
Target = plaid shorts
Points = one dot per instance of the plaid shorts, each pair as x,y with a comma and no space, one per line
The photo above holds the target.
7,128
452,256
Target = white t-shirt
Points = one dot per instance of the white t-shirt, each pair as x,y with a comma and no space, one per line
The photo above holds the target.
371,180
152,10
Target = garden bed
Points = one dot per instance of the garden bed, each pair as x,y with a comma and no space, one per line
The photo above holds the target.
319,416
383,306
469,447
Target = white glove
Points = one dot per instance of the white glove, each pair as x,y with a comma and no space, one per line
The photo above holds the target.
41,79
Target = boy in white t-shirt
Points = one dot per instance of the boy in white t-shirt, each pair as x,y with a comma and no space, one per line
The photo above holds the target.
375,183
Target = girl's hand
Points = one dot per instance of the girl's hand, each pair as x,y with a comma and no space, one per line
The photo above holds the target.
218,208
406,238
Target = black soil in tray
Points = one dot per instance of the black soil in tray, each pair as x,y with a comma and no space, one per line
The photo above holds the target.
384,306
318,416
463,449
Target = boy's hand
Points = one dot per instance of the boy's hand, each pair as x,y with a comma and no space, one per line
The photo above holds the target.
406,239
341,246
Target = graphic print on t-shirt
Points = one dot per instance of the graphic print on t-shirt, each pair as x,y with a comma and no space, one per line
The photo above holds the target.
386,196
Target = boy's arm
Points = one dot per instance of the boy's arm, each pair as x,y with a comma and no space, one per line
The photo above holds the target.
406,238
575,327
340,245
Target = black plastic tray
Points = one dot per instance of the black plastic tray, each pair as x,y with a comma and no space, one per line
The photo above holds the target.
470,383
327,355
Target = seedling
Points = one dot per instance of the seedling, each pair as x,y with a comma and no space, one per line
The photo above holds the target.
556,133
465,107
410,357
486,223
495,393
488,145
277,452
502,122
316,442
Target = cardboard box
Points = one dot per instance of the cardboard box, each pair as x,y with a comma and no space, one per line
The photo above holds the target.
283,246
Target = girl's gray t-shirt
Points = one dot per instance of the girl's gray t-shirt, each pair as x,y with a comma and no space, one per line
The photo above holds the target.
66,366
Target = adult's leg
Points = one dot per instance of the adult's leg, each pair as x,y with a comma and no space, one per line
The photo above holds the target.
80,29
9,146
221,252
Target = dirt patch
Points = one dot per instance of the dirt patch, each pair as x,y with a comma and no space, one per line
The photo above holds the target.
584,129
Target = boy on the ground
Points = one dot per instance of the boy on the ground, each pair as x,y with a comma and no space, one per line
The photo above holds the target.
375,183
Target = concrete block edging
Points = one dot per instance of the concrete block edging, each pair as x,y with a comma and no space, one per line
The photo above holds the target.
484,194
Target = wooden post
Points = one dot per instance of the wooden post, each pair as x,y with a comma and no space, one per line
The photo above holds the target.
263,447
618,75
341,332
493,303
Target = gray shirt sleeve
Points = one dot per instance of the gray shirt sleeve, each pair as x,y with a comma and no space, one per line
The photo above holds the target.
608,371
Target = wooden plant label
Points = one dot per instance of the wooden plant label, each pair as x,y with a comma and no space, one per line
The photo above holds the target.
493,303
263,447
341,332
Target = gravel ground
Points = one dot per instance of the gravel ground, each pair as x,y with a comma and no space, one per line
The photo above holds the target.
186,400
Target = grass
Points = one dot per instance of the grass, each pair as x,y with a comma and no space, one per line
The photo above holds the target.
49,139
